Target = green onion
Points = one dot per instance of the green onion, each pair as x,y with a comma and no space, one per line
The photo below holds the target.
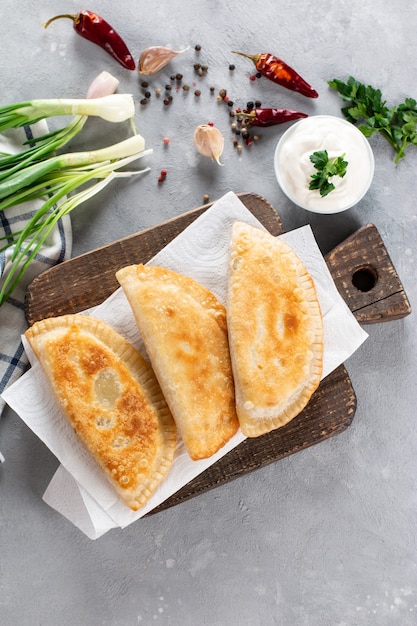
112,108
26,176
69,174
41,172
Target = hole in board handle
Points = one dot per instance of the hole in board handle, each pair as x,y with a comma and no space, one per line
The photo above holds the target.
365,278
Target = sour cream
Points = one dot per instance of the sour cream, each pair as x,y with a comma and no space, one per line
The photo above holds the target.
293,167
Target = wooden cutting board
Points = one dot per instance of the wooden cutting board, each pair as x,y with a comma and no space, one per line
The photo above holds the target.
363,274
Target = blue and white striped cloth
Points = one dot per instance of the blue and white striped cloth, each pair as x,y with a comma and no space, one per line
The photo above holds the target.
57,248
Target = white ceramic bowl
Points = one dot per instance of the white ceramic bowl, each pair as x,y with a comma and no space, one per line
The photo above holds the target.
293,167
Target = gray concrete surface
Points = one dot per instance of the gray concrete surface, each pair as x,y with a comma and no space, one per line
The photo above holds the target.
327,536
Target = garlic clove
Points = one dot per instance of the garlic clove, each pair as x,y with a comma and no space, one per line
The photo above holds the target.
155,58
209,142
103,85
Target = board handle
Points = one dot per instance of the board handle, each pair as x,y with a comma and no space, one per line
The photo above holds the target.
366,278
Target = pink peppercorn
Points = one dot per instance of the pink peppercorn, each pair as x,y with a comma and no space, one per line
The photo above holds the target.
162,176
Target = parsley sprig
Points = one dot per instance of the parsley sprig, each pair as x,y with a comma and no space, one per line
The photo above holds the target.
326,168
397,124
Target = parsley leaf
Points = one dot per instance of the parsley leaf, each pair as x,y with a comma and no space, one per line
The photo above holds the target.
326,168
365,107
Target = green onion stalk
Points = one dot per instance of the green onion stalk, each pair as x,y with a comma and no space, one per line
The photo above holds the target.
41,146
112,108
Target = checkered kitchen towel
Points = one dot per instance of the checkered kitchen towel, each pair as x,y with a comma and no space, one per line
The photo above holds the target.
56,249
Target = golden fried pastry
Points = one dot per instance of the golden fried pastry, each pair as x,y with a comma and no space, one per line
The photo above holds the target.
110,396
275,330
183,326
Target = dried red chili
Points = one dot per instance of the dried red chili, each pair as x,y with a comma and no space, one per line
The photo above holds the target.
279,72
94,28
270,117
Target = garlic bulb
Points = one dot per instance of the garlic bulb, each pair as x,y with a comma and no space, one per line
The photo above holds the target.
209,142
155,58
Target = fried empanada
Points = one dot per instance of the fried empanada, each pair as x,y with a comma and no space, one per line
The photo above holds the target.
183,327
110,396
275,330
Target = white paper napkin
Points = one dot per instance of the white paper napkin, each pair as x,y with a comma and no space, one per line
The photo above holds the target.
78,490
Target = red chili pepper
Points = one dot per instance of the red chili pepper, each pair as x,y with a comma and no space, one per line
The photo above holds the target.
270,117
279,72
92,27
